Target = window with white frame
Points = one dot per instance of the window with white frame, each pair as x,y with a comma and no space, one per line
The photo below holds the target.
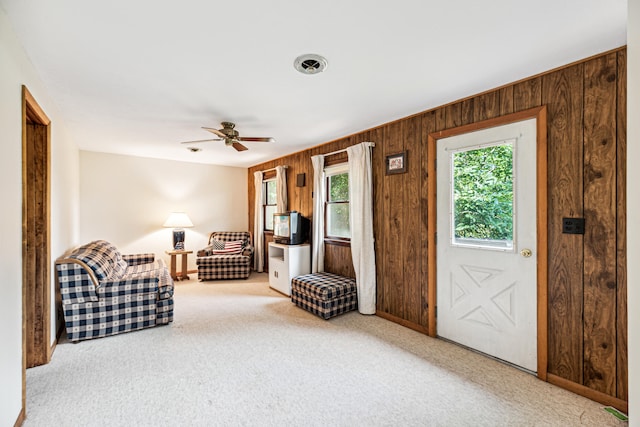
270,203
337,203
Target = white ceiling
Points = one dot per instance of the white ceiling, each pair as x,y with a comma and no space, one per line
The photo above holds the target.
137,77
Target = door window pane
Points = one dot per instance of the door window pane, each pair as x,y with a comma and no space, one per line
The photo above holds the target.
483,196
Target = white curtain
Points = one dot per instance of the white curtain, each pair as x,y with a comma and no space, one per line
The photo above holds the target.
258,225
281,189
361,222
317,236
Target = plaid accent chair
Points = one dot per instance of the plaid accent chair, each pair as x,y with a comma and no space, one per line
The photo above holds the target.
107,293
214,262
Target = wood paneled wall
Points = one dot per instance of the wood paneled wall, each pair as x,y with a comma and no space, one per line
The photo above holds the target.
586,132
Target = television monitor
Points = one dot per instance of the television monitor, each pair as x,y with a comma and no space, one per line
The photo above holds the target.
290,228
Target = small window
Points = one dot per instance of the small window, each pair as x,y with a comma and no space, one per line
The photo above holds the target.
270,203
483,196
337,203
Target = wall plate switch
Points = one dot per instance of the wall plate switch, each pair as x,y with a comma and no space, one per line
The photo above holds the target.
573,225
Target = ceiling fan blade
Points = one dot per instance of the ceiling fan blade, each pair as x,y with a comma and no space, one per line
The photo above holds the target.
200,140
238,146
255,139
215,131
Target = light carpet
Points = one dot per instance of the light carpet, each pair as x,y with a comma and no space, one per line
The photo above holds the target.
240,354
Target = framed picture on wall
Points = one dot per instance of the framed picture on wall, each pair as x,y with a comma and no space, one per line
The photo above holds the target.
396,163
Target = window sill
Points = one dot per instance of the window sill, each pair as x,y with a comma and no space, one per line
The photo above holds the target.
336,241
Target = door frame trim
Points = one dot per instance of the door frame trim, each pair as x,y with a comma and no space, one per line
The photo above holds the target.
32,112
540,114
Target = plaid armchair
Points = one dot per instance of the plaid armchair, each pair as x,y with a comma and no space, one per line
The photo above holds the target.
106,293
214,264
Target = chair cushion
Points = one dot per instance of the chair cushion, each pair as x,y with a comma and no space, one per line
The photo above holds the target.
223,260
156,269
230,235
102,257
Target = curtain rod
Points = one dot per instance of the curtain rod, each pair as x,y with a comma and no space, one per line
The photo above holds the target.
272,169
373,144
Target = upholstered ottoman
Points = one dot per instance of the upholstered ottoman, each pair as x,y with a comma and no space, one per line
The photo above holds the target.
324,294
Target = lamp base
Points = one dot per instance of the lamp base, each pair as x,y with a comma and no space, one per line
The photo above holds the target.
178,240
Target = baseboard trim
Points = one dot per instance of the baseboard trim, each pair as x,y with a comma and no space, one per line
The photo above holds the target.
403,322
594,395
21,418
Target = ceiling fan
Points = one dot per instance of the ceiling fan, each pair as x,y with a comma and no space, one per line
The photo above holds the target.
230,136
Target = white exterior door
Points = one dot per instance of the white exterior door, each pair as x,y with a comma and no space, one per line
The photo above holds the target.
486,241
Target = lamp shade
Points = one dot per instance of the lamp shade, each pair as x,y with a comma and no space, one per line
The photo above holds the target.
178,220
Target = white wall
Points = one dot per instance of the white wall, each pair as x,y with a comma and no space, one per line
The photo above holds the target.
16,70
633,208
126,199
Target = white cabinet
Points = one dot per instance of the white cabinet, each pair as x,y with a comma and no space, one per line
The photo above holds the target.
287,262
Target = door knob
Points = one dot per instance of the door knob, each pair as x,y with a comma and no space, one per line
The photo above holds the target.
526,253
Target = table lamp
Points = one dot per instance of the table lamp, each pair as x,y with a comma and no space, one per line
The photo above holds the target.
178,221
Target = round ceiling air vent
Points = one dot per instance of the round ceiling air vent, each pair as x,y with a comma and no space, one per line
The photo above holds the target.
310,63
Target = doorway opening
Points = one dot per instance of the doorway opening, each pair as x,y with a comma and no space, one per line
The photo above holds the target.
36,256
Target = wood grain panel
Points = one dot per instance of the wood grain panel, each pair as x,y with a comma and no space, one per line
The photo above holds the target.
453,115
32,300
563,96
622,386
411,221
377,161
431,123
393,256
600,252
467,111
40,239
334,260
306,205
506,100
36,269
527,94
486,106
428,126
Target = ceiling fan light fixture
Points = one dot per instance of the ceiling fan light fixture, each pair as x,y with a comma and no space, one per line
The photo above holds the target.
230,136
310,63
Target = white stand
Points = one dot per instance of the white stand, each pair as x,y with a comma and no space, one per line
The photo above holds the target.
287,262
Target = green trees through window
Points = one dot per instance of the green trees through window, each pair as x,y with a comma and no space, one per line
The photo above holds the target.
270,203
338,206
483,193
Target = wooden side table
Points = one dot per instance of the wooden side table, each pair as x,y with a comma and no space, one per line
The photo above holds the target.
183,272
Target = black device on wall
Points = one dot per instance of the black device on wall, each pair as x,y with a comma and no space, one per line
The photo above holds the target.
290,228
573,225
300,178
